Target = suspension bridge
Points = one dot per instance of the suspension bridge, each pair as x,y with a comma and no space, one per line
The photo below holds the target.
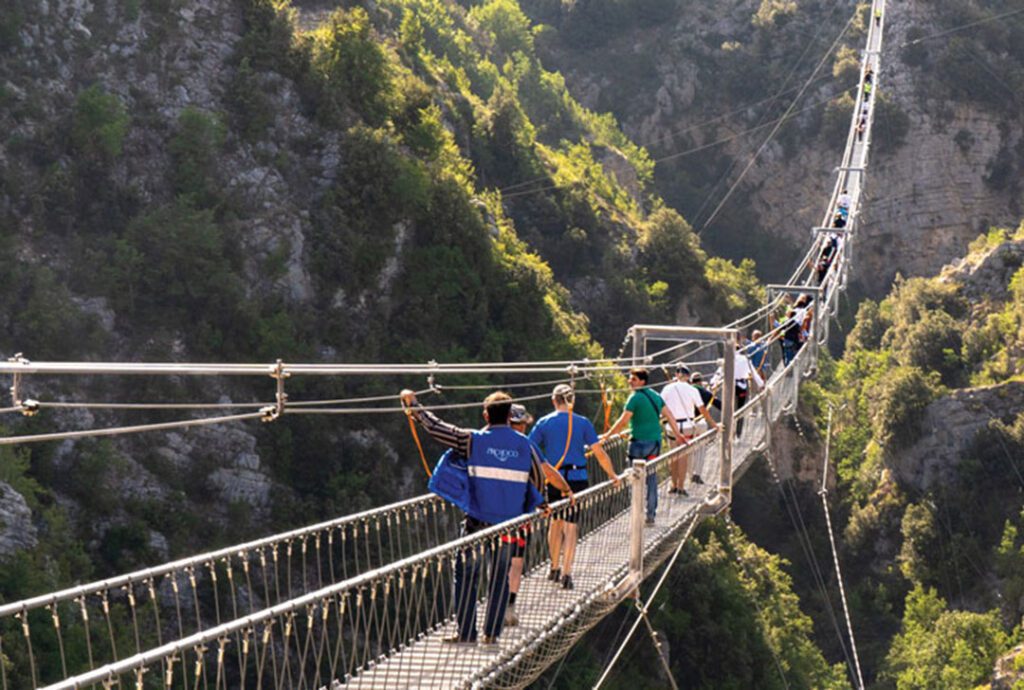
363,601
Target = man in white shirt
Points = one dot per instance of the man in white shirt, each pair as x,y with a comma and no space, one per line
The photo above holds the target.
684,402
743,374
844,200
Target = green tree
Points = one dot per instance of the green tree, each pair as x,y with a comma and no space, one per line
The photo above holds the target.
354,70
507,23
99,124
943,650
194,151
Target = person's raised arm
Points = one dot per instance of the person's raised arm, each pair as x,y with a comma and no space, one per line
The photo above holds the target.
441,431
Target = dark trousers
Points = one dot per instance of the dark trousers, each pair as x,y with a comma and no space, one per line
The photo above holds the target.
647,450
469,567
740,401
789,350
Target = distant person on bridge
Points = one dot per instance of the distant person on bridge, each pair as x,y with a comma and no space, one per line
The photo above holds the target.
551,435
827,255
684,402
503,471
644,411
843,202
519,419
744,376
756,348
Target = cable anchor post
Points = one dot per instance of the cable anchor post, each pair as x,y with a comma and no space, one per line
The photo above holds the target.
15,389
272,413
431,381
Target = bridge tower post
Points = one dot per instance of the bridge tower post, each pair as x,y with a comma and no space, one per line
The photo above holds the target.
637,481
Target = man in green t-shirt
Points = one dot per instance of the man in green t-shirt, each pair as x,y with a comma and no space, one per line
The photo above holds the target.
644,411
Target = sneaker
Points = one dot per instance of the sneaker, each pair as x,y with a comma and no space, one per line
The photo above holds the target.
567,582
488,643
695,479
511,617
673,490
555,574
684,493
457,640
649,521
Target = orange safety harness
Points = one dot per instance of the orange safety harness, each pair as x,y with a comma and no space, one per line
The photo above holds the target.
416,438
568,435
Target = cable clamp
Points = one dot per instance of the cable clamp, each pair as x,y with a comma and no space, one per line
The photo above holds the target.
16,379
29,408
272,413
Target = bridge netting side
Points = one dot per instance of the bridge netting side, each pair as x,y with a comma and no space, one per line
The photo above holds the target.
363,600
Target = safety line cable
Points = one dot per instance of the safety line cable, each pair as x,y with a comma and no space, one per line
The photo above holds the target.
697,149
647,605
675,132
835,553
962,27
115,431
789,75
771,135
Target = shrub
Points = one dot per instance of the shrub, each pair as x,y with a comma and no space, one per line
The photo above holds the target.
194,150
943,650
507,23
99,124
354,70
901,398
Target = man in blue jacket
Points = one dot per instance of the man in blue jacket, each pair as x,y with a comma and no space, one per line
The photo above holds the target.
504,472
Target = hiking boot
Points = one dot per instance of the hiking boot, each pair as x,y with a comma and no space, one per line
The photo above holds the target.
457,640
555,574
511,617
649,521
567,582
695,479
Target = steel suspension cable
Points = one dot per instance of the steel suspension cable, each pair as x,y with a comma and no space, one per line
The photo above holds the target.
859,678
771,135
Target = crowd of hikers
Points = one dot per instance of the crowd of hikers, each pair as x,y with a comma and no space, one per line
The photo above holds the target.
515,465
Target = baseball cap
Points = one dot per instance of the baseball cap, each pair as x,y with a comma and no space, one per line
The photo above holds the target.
695,377
682,369
519,415
562,390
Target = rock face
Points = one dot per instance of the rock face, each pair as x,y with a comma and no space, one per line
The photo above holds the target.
927,197
1008,673
949,426
986,277
16,529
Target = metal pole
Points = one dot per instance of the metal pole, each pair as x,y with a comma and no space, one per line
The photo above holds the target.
639,345
728,421
636,519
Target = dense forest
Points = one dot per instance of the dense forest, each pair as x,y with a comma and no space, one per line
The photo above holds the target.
407,180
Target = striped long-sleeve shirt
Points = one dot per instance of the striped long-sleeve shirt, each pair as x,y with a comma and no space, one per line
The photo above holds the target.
461,440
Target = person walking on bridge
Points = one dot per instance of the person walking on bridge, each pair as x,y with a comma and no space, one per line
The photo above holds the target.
519,419
684,402
744,376
504,472
644,411
565,435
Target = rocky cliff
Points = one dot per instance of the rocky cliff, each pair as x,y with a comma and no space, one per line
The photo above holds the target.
701,84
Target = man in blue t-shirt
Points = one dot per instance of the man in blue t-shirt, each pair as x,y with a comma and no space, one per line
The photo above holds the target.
563,437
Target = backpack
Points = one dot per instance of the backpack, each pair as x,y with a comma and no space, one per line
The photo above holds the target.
450,479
